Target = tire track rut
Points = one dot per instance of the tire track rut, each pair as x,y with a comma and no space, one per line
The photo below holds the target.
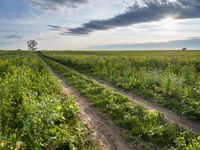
168,114
103,130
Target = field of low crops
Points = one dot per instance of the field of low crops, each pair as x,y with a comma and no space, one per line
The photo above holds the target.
149,129
33,112
170,79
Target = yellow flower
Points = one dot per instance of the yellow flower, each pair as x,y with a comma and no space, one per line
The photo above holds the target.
198,138
18,145
2,144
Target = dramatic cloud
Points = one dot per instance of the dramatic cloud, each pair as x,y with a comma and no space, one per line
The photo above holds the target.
13,37
140,12
54,4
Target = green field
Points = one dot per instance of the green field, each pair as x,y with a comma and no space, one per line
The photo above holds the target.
171,78
34,114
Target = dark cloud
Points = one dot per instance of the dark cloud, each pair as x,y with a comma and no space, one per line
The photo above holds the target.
13,37
148,11
78,31
191,43
56,28
54,4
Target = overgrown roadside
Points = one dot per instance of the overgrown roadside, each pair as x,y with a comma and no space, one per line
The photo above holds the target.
104,131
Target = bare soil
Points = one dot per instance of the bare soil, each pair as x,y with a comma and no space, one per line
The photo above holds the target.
103,130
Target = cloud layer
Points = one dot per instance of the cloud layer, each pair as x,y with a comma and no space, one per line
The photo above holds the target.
192,43
140,12
54,4
13,37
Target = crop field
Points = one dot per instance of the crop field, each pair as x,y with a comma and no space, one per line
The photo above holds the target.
171,79
36,114
99,75
33,112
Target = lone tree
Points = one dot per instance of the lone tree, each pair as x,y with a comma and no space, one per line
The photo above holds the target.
32,45
184,49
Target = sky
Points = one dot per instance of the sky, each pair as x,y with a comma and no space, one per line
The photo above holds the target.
100,24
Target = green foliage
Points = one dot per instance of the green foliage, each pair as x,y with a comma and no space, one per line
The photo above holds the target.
171,78
140,123
33,113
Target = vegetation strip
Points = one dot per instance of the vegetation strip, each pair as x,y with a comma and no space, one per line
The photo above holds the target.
105,132
140,123
33,113
170,79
